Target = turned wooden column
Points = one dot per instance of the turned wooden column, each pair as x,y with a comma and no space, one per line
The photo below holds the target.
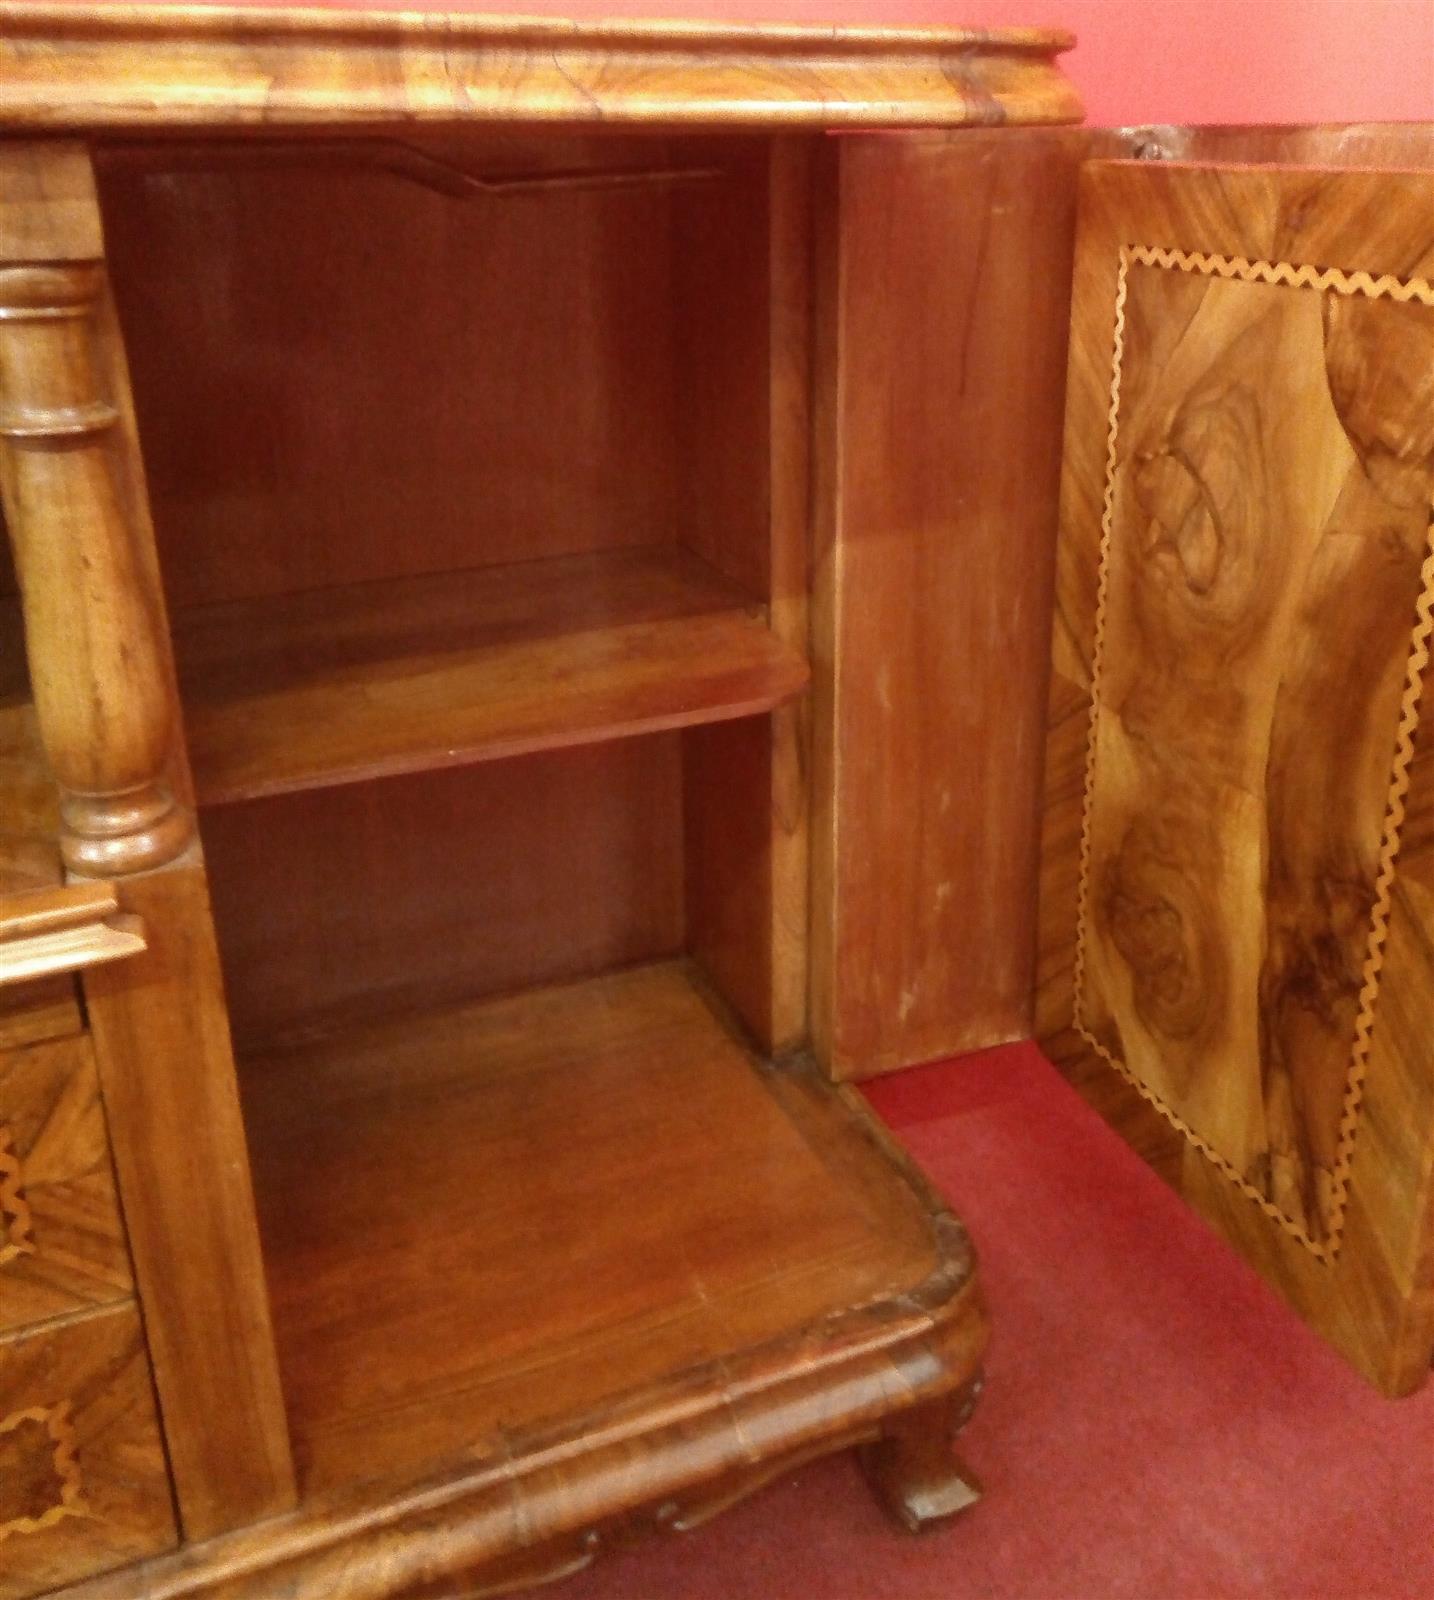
93,618
97,640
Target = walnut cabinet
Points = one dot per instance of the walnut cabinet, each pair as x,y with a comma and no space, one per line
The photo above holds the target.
560,614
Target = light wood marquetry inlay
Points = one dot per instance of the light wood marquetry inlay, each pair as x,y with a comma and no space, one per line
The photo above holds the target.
83,1485
16,1224
1263,612
40,1478
62,1244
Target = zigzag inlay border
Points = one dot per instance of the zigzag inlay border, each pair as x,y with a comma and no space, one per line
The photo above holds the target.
58,1423
16,1220
1283,273
1323,280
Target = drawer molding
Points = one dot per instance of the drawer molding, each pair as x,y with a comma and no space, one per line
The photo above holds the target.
65,929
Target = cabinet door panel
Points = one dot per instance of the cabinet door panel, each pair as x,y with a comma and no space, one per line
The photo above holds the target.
1238,856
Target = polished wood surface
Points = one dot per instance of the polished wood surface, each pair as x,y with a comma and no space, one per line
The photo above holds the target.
64,930
46,1008
913,1467
1243,595
83,1485
485,437
947,261
333,686
1380,145
43,1008
498,1293
71,483
746,784
162,1041
148,66
62,1243
448,885
677,1355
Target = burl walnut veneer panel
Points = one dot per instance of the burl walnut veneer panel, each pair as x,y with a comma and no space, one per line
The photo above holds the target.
1238,851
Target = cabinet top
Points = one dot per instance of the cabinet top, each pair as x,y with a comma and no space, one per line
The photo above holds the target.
71,66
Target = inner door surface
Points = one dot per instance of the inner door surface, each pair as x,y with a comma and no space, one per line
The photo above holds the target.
1237,906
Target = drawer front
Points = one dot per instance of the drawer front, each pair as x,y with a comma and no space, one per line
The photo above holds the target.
47,1008
83,1483
62,1244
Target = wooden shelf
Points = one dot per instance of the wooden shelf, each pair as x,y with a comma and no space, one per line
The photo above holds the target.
482,1219
341,685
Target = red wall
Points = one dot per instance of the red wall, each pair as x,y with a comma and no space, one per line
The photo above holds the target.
1238,60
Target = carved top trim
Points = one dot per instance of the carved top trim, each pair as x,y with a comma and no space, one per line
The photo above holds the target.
82,66
1330,280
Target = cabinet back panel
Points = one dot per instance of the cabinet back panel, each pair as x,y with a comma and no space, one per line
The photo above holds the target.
342,375
447,884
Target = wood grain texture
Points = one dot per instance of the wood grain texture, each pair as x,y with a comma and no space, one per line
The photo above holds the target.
62,1241
449,885
746,783
486,438
185,66
1243,593
83,1486
161,1038
30,863
70,481
946,268
497,1294
337,685
1381,145
45,1008
48,931
913,1465
686,1351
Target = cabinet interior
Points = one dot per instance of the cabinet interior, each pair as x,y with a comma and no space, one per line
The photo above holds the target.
460,458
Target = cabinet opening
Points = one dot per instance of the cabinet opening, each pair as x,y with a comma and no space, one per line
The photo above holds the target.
478,472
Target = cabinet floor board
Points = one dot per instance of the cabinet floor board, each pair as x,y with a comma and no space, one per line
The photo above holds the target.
482,1218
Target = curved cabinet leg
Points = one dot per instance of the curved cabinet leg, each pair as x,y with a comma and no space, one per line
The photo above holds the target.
913,1468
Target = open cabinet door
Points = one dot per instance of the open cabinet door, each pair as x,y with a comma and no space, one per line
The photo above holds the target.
1237,895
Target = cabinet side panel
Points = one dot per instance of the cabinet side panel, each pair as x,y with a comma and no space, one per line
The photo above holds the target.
944,335
746,782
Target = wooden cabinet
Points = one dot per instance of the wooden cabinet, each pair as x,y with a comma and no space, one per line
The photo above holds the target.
537,569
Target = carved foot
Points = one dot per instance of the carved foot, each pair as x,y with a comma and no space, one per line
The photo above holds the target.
913,1468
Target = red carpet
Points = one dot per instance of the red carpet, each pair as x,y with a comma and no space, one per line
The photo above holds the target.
1156,1424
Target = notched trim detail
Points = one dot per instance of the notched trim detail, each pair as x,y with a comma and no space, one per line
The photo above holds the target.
1329,280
